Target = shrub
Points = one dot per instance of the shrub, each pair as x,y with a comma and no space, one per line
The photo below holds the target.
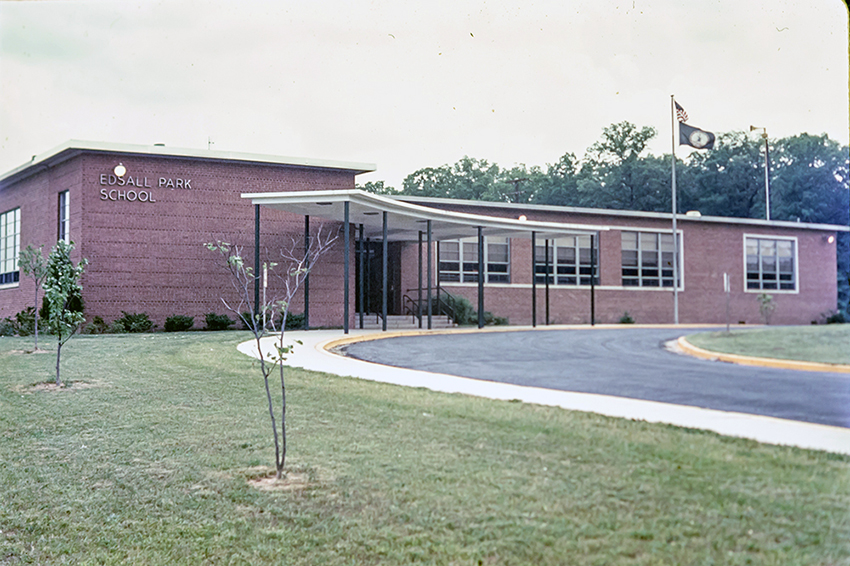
626,318
466,315
294,321
836,317
134,322
7,327
179,323
25,322
97,326
217,321
22,324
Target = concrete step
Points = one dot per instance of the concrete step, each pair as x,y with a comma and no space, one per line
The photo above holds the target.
399,322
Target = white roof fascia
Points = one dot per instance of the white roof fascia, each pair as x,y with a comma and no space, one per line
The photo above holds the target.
493,225
48,158
625,213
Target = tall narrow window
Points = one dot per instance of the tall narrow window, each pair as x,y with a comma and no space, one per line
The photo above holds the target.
459,260
648,259
569,261
64,217
10,245
770,264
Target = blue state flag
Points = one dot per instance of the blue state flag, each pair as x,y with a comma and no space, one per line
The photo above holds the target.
694,137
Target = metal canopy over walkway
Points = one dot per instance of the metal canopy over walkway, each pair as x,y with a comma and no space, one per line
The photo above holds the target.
386,219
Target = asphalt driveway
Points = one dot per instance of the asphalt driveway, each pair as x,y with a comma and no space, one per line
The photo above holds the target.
623,362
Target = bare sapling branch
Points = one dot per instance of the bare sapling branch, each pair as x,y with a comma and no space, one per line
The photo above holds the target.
294,264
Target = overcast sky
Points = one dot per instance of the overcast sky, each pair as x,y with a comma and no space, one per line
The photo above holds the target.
407,85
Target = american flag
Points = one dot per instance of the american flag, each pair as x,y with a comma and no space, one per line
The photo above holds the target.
680,113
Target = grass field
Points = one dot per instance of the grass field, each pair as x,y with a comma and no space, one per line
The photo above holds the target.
827,343
146,460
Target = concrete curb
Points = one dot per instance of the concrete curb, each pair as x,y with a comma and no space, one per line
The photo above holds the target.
697,352
378,335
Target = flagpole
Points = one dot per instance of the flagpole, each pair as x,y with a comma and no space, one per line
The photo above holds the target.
675,238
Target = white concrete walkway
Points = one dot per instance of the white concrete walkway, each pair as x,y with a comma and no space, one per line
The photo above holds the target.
313,355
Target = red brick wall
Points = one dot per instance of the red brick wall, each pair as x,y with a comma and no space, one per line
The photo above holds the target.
149,256
38,199
710,250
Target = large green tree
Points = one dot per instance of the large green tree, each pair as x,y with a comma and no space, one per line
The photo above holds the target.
430,182
377,187
810,180
475,179
615,175
560,184
725,181
810,183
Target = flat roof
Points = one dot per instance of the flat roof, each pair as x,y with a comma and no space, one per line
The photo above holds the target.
405,220
72,148
626,214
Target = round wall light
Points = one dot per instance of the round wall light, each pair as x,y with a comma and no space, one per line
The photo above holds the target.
120,170
523,218
830,240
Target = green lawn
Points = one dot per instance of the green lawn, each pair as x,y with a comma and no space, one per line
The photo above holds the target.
828,343
149,465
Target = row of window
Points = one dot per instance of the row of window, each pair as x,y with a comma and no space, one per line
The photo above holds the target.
646,261
10,238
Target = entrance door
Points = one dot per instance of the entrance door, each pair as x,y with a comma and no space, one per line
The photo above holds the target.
372,261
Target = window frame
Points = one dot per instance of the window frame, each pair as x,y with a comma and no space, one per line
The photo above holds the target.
10,272
639,268
466,276
795,267
64,217
560,279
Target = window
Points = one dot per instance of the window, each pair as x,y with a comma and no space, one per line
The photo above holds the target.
10,244
770,264
569,261
458,260
648,259
64,217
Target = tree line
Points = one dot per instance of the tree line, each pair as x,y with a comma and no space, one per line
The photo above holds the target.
809,177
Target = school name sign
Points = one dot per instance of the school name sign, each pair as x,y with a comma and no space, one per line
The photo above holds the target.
128,188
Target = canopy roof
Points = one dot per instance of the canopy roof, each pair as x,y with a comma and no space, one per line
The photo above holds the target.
406,220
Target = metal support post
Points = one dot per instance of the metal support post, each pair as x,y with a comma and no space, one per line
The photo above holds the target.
480,277
307,277
256,259
430,275
384,276
547,282
362,276
533,279
346,264
419,283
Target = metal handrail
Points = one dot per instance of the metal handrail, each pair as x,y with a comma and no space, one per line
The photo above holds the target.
441,304
411,309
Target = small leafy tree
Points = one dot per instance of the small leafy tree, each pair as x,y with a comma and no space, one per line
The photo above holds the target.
34,266
297,262
62,287
766,307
